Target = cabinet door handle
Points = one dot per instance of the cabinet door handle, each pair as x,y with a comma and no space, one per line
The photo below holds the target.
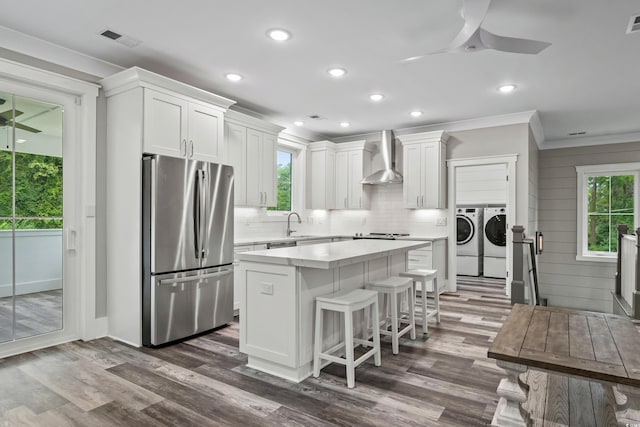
422,202
183,144
191,148
360,202
417,201
345,202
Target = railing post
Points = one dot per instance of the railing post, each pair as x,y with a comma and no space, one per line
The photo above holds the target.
635,303
622,230
517,281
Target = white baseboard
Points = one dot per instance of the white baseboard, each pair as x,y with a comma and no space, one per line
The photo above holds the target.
6,290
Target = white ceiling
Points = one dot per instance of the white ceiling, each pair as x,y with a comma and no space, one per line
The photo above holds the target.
587,80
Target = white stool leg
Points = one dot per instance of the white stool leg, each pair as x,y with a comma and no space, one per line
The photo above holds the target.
412,312
437,299
317,343
348,342
394,323
423,299
376,333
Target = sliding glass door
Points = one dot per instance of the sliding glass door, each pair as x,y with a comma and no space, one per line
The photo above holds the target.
31,217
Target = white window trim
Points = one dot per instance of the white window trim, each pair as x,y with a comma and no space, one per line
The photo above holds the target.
582,254
298,168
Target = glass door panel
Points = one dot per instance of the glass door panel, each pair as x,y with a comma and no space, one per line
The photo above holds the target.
6,280
31,214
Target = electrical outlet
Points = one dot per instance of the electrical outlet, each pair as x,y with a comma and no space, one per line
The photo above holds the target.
266,288
441,221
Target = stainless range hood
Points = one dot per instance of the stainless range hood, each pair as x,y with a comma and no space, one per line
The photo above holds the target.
388,175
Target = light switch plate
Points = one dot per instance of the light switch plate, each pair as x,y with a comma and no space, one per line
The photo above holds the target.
266,288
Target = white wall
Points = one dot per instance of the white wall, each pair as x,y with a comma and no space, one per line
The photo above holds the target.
38,261
563,280
481,185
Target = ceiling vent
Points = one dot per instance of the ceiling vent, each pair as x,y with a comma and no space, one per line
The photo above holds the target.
316,117
634,24
578,133
117,37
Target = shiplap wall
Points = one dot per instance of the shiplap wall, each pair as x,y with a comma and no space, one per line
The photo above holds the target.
563,280
481,185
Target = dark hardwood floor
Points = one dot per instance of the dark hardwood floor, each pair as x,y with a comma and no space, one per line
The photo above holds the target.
444,381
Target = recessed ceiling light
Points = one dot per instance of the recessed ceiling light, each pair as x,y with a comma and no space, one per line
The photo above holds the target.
21,141
298,123
337,72
278,34
507,88
233,77
416,113
375,97
345,124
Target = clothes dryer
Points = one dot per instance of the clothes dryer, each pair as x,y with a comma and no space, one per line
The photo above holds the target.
469,241
495,242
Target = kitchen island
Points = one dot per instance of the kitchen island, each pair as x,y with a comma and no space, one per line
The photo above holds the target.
278,288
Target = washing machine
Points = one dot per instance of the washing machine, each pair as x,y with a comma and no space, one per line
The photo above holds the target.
495,242
469,241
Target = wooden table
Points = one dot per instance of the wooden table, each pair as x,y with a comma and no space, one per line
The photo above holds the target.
588,345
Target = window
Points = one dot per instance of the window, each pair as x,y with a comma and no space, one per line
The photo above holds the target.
284,173
607,197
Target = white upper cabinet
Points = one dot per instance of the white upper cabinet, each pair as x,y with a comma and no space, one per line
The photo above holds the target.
424,183
353,163
250,145
177,119
321,170
335,172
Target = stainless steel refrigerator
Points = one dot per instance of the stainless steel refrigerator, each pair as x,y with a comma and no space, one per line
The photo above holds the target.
187,247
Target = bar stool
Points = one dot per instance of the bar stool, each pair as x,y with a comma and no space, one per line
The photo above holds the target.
428,281
390,288
347,302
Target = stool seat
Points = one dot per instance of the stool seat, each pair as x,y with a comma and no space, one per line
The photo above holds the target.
390,288
426,281
347,302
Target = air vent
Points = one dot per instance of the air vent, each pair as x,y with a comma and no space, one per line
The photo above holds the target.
125,40
316,117
111,34
578,133
634,24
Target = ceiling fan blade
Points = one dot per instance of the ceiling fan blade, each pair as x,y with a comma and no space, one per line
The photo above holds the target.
8,115
512,44
25,127
473,12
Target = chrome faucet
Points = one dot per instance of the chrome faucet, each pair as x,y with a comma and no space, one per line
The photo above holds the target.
289,230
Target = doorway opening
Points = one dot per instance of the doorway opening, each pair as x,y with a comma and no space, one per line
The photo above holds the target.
488,214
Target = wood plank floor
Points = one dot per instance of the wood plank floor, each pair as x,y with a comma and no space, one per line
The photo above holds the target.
36,313
446,380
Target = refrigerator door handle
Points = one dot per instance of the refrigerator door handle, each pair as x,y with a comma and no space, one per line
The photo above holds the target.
203,213
194,279
196,215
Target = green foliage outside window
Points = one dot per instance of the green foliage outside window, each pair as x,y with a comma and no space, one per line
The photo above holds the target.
38,181
610,202
284,182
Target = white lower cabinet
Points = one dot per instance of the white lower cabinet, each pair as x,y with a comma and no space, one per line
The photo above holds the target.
431,257
237,285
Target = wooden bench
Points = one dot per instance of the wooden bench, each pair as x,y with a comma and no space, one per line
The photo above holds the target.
587,345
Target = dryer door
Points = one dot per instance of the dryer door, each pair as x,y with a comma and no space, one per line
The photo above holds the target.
495,230
465,229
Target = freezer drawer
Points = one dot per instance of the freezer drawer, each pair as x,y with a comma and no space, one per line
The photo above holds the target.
185,304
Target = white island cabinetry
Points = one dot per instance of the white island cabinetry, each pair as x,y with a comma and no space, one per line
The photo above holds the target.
149,113
278,290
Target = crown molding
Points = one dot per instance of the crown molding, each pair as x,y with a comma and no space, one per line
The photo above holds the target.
536,129
591,140
55,54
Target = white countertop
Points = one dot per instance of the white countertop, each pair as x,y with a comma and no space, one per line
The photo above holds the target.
264,240
332,255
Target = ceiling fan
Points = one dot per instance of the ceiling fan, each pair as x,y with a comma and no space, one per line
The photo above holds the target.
474,38
6,119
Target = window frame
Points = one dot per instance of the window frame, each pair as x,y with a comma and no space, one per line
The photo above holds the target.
298,170
583,173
